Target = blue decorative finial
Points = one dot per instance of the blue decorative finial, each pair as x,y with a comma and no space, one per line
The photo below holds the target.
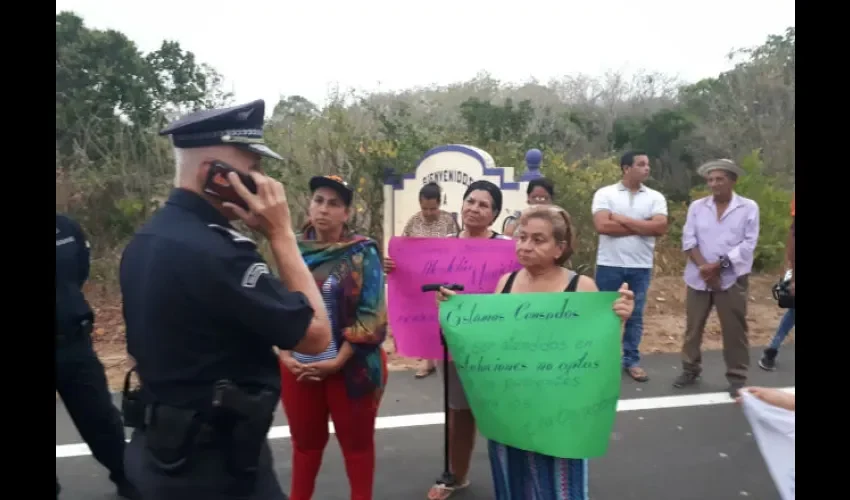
533,159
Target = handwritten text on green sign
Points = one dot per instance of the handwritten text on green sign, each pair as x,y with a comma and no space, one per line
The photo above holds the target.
541,371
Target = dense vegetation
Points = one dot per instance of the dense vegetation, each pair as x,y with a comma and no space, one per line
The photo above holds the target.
112,170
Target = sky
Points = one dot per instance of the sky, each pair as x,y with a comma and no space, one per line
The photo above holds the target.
273,48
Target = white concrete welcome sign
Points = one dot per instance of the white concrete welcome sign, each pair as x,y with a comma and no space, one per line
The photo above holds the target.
454,167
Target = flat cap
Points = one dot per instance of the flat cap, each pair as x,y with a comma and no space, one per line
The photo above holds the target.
723,164
239,126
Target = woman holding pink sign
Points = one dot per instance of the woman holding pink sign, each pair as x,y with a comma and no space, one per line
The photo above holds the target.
545,239
482,204
429,222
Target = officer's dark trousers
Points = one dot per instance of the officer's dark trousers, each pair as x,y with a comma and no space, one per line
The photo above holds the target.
81,383
205,477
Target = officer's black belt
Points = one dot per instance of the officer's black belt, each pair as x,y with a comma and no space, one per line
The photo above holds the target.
204,434
236,421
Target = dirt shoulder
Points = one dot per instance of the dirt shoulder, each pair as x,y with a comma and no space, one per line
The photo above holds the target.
664,324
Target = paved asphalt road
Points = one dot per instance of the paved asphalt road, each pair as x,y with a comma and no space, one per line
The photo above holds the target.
693,448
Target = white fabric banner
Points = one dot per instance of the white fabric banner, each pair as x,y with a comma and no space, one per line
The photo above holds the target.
773,428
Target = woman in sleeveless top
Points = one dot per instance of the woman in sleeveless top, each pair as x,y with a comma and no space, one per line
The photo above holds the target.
482,203
346,381
545,241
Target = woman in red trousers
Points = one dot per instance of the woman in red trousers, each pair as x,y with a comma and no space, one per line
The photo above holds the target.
345,382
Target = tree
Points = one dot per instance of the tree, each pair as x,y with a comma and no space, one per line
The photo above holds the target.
105,84
111,99
294,106
752,105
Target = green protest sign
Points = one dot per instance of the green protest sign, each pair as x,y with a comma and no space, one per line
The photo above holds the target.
541,371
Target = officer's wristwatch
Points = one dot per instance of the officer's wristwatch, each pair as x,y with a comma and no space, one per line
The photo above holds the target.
725,263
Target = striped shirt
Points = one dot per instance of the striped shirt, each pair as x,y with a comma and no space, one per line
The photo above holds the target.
329,290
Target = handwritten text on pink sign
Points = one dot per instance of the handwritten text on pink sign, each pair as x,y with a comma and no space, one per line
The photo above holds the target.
477,264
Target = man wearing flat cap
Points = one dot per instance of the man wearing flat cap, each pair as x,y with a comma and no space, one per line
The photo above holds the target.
719,239
204,314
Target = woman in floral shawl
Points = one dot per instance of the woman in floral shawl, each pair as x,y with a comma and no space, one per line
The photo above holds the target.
345,382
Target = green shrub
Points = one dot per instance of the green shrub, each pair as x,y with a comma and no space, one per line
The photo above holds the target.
575,185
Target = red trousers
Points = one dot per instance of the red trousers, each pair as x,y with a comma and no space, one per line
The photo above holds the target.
308,406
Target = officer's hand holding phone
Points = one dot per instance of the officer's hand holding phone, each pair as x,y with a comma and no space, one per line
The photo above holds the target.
268,213
268,210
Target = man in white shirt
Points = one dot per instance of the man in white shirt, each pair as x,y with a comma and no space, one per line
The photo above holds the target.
628,217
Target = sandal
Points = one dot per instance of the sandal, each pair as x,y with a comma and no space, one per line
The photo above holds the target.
428,369
441,491
637,373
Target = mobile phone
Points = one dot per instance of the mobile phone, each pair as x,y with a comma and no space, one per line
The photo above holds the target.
218,185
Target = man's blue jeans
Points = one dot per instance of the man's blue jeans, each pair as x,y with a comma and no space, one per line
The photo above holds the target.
785,326
609,279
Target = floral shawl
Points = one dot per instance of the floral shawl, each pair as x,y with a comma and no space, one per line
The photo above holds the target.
357,306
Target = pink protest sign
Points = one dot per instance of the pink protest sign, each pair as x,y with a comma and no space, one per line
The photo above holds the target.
477,264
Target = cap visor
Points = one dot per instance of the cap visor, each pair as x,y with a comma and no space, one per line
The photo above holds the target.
260,149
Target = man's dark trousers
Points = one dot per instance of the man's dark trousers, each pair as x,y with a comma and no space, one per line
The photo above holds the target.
81,383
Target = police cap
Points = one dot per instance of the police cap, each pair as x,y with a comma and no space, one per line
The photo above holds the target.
239,126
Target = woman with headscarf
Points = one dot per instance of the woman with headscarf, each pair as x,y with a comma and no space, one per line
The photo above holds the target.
345,382
545,239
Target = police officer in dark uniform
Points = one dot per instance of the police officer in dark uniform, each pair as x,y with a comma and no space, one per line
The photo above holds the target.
80,379
203,314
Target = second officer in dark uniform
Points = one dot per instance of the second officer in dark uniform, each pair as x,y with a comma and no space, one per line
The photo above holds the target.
80,380
203,313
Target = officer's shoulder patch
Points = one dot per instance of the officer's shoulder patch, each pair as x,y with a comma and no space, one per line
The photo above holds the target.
234,235
253,273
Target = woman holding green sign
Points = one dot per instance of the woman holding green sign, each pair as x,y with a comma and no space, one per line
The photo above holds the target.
482,203
545,241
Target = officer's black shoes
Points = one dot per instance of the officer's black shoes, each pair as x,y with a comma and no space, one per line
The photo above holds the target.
127,490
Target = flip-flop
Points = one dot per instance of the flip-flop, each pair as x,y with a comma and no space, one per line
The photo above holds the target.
444,491
424,373
641,377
